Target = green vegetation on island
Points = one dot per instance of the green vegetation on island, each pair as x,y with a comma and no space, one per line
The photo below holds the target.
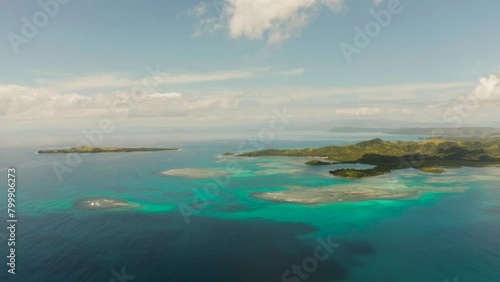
358,173
430,155
318,162
431,169
86,150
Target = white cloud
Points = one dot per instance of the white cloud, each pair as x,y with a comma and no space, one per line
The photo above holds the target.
273,20
222,107
417,92
27,103
205,77
90,82
166,95
404,87
336,6
102,81
401,111
199,10
292,72
363,111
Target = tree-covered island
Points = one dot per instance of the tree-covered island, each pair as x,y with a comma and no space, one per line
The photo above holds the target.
85,150
432,155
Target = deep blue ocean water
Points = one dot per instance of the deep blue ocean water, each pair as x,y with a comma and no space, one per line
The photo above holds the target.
234,237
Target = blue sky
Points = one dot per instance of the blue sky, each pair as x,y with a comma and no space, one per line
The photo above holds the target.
245,57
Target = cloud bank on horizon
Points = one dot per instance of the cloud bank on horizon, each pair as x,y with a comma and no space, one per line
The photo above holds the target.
231,107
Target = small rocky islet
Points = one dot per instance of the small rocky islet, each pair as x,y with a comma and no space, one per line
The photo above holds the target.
197,173
104,203
350,193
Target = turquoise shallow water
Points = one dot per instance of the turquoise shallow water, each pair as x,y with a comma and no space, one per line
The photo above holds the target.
234,237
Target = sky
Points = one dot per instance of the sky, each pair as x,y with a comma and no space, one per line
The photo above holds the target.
239,64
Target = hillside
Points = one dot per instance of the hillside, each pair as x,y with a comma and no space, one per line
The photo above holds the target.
428,155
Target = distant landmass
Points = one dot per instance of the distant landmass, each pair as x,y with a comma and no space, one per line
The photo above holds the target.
431,131
87,150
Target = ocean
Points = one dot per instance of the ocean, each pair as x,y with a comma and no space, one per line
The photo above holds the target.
189,229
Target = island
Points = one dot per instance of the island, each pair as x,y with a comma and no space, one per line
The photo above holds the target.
350,193
197,173
430,155
318,162
332,194
86,150
104,204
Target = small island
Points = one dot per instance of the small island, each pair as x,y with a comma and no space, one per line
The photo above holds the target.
333,194
104,204
430,156
86,150
318,162
351,193
358,173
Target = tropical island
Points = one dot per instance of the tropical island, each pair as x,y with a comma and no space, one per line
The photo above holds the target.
104,204
431,155
86,150
376,189
318,162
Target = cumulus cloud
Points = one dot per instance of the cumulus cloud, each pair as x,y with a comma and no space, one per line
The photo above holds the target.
479,104
272,20
27,103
